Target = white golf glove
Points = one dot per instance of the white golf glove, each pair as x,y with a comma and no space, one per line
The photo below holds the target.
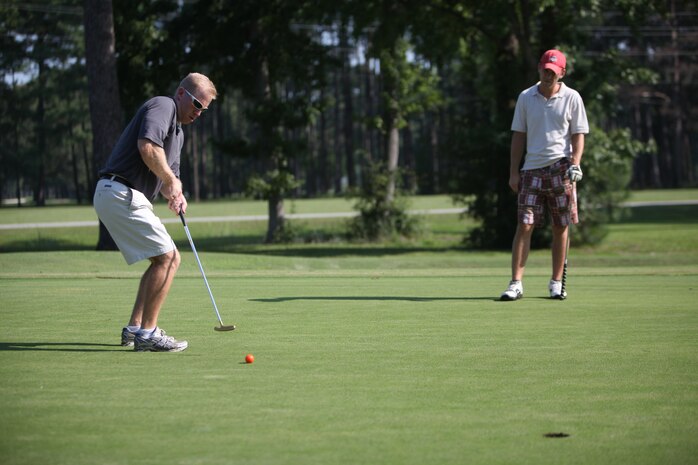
575,174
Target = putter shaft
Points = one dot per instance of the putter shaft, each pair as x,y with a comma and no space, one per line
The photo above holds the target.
201,269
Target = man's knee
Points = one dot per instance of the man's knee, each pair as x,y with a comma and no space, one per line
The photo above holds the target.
170,260
559,230
523,229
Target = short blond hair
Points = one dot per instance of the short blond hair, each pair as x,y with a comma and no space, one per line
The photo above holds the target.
197,81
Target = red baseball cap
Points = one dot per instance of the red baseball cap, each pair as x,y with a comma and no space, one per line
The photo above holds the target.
555,60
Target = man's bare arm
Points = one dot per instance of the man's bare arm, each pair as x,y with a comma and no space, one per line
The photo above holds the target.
518,146
155,159
577,149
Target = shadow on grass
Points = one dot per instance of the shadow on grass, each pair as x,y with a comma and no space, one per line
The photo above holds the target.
60,347
356,298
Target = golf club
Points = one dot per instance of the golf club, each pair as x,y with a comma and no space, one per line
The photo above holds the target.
222,327
563,291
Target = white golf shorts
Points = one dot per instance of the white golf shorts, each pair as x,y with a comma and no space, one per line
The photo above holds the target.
128,216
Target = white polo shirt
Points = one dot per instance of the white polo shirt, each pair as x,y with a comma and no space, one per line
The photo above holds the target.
549,124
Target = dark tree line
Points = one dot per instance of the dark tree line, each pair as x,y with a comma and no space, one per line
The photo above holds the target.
317,97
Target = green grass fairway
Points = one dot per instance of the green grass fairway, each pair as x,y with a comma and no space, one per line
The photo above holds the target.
363,355
353,367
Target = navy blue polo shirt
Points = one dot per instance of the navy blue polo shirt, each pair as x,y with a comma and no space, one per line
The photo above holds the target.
155,120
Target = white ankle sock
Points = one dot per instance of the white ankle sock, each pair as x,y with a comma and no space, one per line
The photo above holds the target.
146,333
133,329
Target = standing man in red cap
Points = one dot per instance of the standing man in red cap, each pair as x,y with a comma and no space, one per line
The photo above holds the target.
549,125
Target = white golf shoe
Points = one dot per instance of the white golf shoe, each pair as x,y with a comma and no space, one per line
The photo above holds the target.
127,337
158,342
556,291
513,292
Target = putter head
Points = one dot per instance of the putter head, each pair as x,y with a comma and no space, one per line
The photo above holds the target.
224,328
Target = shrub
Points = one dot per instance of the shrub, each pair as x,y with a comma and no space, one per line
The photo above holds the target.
381,217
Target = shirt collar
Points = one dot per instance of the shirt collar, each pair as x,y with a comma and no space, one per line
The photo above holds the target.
560,93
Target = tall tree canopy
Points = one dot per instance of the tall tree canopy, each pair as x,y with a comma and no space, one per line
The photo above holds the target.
314,93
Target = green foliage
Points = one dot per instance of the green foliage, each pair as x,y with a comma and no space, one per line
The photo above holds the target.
380,217
460,62
410,87
607,165
274,184
481,177
286,233
149,50
45,103
256,48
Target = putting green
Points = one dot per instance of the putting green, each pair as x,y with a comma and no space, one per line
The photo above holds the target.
352,366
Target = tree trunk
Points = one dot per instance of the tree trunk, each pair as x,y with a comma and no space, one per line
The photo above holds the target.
434,152
393,150
370,112
324,157
105,105
312,173
75,164
86,162
40,181
217,157
337,138
679,156
265,135
275,207
409,159
203,161
18,169
655,177
194,150
348,120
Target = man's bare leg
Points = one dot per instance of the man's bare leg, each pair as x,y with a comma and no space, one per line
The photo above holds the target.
520,249
153,289
558,250
519,255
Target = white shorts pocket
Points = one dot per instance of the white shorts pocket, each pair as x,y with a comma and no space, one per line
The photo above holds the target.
138,201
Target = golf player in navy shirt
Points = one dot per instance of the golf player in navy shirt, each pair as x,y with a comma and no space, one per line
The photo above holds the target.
145,162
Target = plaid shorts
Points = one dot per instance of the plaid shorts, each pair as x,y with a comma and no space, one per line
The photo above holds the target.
548,187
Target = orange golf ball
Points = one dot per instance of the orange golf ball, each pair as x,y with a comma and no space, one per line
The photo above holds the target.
249,358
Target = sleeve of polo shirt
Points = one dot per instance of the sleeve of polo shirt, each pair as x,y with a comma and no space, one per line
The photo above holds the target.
579,123
518,124
157,120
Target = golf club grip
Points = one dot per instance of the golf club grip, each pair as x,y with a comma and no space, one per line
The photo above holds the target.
181,217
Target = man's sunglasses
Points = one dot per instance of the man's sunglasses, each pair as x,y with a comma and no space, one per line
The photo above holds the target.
194,101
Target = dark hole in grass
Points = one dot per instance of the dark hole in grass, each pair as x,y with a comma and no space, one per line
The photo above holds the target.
556,435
